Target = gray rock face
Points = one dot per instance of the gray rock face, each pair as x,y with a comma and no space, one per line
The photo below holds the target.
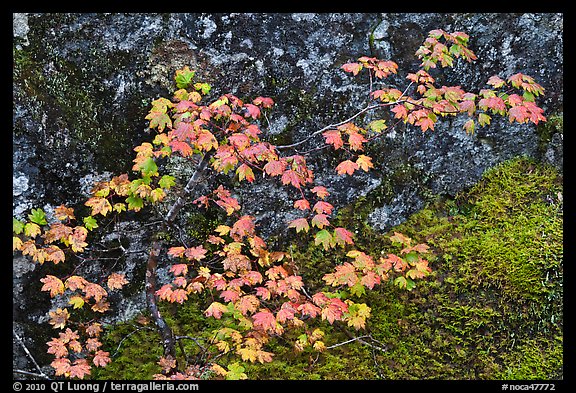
83,84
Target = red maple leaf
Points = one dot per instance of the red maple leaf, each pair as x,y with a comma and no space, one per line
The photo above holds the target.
285,313
196,253
346,167
334,310
239,141
292,177
302,204
343,236
230,295
370,280
518,113
334,138
263,293
266,102
179,269
265,320
354,68
275,167
400,111
183,148
243,227
309,309
252,111
425,123
323,207
300,224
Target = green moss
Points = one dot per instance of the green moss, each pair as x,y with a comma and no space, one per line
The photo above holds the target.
533,360
134,350
497,285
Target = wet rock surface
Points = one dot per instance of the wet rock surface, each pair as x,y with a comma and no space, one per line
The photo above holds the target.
83,84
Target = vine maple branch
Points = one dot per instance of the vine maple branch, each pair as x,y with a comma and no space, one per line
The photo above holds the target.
331,126
168,338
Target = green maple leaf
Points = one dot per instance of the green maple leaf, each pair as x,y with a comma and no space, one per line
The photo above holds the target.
377,125
17,226
203,87
90,223
235,372
135,202
148,167
358,289
412,258
167,181
325,238
184,77
38,216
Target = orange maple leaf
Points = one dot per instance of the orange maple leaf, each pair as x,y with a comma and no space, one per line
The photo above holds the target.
116,281
92,290
346,167
59,318
52,284
99,205
79,369
101,358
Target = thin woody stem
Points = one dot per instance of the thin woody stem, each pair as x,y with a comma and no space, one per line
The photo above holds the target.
21,342
166,333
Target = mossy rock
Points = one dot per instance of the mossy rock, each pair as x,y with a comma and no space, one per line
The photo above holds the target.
491,309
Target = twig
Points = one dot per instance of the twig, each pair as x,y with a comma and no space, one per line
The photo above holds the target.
21,342
44,376
128,335
377,365
335,125
346,342
193,339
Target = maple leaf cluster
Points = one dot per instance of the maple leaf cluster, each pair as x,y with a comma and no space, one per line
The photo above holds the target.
364,272
433,101
260,292
35,237
73,353
74,356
